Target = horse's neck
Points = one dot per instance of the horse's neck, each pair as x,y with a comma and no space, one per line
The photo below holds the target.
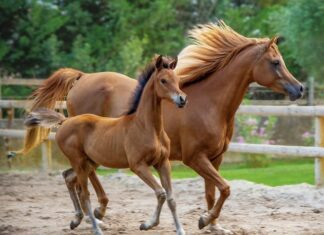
228,86
149,113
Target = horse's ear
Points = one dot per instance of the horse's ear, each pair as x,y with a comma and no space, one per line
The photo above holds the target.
173,64
159,62
273,40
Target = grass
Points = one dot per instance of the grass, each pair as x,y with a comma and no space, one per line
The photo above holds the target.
279,172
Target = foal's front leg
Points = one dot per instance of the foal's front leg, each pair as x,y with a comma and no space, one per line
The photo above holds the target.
143,171
164,170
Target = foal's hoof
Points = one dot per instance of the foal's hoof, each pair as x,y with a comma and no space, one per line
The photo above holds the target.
74,224
97,214
217,229
181,232
144,227
148,225
203,221
98,232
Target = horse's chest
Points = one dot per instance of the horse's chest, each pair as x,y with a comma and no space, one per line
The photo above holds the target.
216,140
224,139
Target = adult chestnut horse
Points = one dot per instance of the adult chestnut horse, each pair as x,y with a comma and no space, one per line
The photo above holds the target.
136,141
215,72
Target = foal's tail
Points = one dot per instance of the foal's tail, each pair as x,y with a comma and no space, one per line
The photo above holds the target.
44,117
55,88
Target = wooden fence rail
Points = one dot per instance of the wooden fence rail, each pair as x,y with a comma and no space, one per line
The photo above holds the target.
283,150
306,111
21,81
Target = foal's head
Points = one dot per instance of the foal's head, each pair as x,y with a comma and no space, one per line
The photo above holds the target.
166,82
270,71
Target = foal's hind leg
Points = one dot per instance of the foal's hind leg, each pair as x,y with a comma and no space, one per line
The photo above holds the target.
143,171
99,212
164,170
71,182
82,172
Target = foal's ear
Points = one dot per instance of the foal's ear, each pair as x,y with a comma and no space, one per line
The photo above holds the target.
273,40
173,64
280,39
159,63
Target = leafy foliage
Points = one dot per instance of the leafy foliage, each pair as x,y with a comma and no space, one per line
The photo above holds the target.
302,24
38,37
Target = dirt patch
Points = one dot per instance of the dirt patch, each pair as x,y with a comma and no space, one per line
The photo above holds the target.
40,204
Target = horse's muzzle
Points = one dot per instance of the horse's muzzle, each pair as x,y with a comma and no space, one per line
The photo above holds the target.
294,91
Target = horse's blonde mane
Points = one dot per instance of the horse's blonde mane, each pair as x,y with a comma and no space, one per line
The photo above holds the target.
214,46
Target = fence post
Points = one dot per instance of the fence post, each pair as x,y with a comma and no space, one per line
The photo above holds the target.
310,84
319,141
46,155
11,116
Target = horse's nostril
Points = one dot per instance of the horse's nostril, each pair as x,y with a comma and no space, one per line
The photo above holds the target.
301,88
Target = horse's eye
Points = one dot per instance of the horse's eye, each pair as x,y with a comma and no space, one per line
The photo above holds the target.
276,62
163,81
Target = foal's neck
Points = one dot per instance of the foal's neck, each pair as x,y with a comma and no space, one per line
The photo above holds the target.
149,113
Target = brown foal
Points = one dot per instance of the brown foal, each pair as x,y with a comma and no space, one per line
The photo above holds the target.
215,72
136,140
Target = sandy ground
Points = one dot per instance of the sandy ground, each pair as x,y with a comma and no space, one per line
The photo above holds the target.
40,204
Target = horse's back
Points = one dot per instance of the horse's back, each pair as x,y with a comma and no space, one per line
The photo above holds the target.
103,94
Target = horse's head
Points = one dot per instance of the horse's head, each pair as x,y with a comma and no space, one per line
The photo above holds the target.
270,71
167,82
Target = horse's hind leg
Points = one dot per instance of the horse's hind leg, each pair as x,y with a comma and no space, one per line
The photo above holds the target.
99,212
71,182
164,170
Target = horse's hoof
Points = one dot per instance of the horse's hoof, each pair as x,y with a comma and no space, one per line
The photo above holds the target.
97,214
202,222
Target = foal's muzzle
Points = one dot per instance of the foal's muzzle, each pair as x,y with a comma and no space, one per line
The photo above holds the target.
180,100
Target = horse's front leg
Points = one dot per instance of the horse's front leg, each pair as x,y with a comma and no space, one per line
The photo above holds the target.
202,165
143,171
164,170
210,192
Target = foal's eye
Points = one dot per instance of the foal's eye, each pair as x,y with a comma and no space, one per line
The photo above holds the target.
163,81
275,62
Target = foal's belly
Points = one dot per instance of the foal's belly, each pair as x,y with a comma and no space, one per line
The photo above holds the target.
110,160
107,152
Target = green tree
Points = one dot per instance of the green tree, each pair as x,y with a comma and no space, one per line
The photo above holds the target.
301,22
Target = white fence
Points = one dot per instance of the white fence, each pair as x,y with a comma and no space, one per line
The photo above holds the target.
316,152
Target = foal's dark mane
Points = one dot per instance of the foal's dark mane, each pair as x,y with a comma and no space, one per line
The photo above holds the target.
142,79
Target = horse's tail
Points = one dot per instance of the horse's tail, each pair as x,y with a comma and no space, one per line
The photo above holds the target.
44,117
55,88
